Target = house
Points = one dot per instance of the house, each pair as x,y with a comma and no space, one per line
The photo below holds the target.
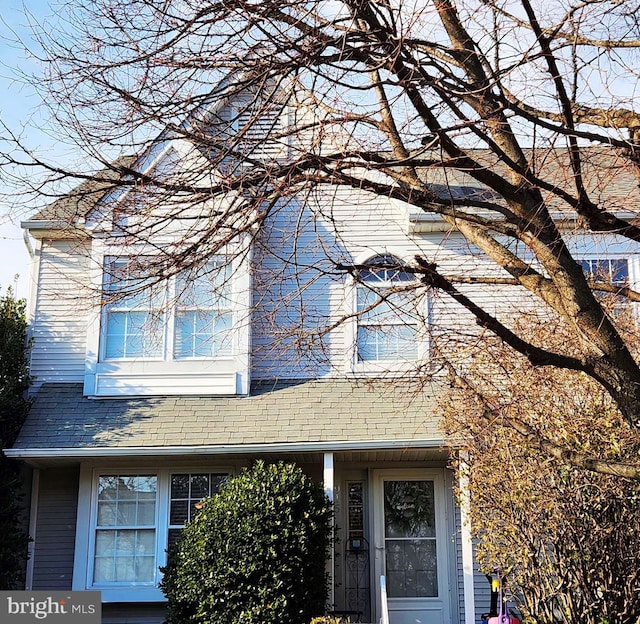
148,392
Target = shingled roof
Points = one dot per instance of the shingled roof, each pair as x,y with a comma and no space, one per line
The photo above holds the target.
320,412
610,178
76,205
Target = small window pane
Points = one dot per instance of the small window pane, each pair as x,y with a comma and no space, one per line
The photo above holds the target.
104,570
199,486
145,569
179,486
125,570
105,543
179,513
107,512
174,534
127,513
146,513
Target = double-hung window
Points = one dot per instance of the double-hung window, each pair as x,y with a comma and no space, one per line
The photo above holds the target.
135,519
135,318
125,534
161,332
387,312
186,316
614,271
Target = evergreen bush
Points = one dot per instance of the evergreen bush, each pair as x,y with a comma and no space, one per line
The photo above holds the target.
254,554
14,381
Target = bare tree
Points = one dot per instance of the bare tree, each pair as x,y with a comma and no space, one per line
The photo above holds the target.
511,122
556,528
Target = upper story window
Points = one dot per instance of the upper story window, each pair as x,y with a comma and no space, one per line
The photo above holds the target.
187,316
386,307
183,334
612,270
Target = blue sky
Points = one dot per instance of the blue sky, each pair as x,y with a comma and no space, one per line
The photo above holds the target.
17,103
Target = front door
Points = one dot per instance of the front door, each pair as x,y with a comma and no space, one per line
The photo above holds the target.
411,545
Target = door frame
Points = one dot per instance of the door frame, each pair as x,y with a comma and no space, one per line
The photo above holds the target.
437,475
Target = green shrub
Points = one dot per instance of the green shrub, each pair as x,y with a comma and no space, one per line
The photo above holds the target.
254,554
14,381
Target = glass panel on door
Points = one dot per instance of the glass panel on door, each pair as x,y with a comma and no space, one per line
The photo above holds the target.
410,539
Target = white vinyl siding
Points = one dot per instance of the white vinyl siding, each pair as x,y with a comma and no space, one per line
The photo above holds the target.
59,326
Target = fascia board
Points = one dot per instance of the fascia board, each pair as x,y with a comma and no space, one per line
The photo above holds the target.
232,449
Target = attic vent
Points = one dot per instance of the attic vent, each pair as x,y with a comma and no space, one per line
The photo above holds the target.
260,127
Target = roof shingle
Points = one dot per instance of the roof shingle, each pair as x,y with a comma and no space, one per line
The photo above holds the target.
320,411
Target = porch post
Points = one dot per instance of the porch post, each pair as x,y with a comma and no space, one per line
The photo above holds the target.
328,480
467,543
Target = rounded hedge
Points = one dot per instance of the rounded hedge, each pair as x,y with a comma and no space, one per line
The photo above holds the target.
254,554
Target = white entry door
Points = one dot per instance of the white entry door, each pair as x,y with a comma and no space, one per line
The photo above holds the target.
411,545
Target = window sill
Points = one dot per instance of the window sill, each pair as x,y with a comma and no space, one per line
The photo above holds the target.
118,384
386,367
130,594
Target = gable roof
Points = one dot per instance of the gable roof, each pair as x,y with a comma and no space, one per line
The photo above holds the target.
611,179
72,208
290,416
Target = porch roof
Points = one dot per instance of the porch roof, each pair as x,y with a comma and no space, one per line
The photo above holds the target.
285,416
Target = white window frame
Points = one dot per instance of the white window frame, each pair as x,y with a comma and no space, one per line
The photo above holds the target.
169,308
632,275
356,366
86,527
226,374
123,306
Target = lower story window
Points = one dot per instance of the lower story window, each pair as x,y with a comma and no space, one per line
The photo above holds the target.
187,490
125,546
137,517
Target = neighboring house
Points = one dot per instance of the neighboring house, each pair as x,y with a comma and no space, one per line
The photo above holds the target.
140,408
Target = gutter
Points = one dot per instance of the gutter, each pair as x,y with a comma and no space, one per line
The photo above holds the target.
230,449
